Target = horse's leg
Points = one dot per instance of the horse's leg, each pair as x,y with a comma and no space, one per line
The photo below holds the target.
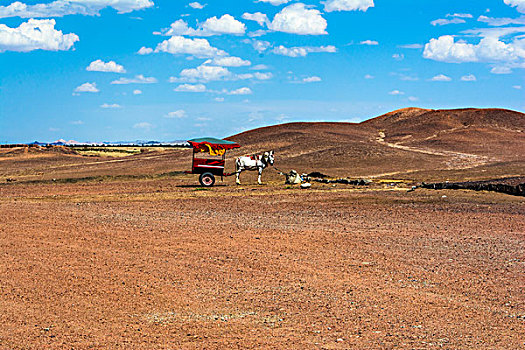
259,177
237,173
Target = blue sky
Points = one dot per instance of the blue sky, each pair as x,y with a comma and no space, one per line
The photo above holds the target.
108,70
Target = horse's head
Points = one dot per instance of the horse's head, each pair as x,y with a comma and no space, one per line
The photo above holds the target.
268,156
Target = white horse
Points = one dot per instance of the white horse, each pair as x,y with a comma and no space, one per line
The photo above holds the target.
257,162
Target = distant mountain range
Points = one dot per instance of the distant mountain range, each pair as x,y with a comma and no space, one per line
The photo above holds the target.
73,143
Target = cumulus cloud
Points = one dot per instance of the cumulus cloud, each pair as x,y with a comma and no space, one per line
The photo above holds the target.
368,76
301,51
206,73
229,61
489,49
110,106
190,88
101,66
35,35
87,87
347,5
298,19
518,4
178,45
212,26
470,77
137,92
202,73
258,17
179,114
61,8
196,5
441,77
139,79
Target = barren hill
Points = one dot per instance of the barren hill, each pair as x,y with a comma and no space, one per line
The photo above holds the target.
411,143
407,141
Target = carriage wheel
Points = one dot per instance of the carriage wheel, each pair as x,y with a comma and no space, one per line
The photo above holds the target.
207,179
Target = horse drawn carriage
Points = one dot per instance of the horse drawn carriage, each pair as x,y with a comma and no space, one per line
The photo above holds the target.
212,160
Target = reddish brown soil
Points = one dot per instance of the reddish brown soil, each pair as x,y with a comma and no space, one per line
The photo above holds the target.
157,264
135,257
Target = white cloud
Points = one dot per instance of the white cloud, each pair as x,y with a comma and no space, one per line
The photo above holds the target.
206,73
110,106
219,99
517,87
263,76
347,5
498,22
368,76
196,5
470,77
200,48
101,66
460,15
190,88
301,51
87,87
398,56
143,125
76,122
489,49
179,114
240,91
411,46
259,67
275,2
139,79
501,70
137,92
443,21
441,77
229,61
35,35
202,73
258,17
298,19
145,51
369,42
61,8
212,26
396,92
413,98
258,45
313,79
519,4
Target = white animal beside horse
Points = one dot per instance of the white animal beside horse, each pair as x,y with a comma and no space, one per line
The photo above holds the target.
256,162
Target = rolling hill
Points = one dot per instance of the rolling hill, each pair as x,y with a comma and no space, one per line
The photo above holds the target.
411,143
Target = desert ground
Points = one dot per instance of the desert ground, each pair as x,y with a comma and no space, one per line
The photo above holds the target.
130,253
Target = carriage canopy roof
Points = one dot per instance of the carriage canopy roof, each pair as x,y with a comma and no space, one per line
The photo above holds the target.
213,143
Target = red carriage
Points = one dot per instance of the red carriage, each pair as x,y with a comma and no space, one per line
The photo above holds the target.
213,164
